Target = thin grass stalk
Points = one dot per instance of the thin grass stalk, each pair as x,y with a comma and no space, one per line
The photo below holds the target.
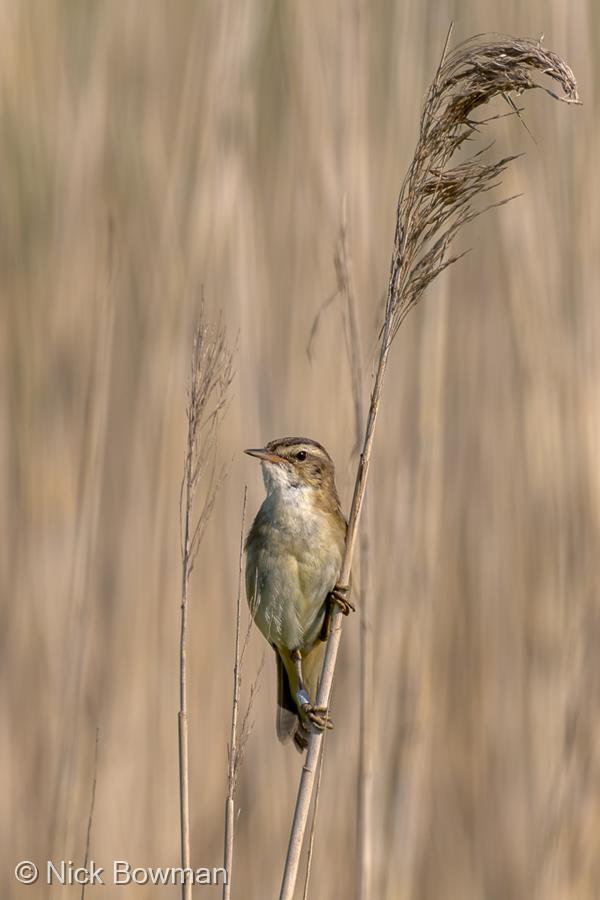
184,782
435,201
233,738
313,825
210,379
88,835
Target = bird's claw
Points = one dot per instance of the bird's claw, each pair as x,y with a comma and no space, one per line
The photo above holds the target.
339,596
318,716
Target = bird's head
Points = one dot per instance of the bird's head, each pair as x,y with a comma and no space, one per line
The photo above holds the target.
297,463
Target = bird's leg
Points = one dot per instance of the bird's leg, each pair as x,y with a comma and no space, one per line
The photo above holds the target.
339,596
317,715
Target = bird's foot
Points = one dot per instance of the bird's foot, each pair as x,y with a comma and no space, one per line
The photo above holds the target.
318,716
339,596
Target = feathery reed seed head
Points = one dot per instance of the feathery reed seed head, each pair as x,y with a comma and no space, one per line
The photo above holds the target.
436,198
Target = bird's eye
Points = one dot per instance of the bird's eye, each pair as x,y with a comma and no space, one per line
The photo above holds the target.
301,455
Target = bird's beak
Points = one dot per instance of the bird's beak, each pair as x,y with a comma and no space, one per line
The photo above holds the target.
265,456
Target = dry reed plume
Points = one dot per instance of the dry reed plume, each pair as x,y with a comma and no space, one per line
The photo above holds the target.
436,198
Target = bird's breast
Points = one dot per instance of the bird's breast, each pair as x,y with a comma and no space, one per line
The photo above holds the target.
294,559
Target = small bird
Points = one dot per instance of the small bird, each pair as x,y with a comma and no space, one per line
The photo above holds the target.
294,556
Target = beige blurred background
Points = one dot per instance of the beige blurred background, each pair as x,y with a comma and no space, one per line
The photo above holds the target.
148,149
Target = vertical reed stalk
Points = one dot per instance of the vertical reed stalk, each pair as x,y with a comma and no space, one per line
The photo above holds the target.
233,739
210,378
184,782
88,835
435,201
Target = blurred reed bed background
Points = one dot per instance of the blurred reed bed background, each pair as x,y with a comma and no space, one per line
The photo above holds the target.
152,150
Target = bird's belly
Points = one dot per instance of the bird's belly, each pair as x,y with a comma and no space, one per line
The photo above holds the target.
291,597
